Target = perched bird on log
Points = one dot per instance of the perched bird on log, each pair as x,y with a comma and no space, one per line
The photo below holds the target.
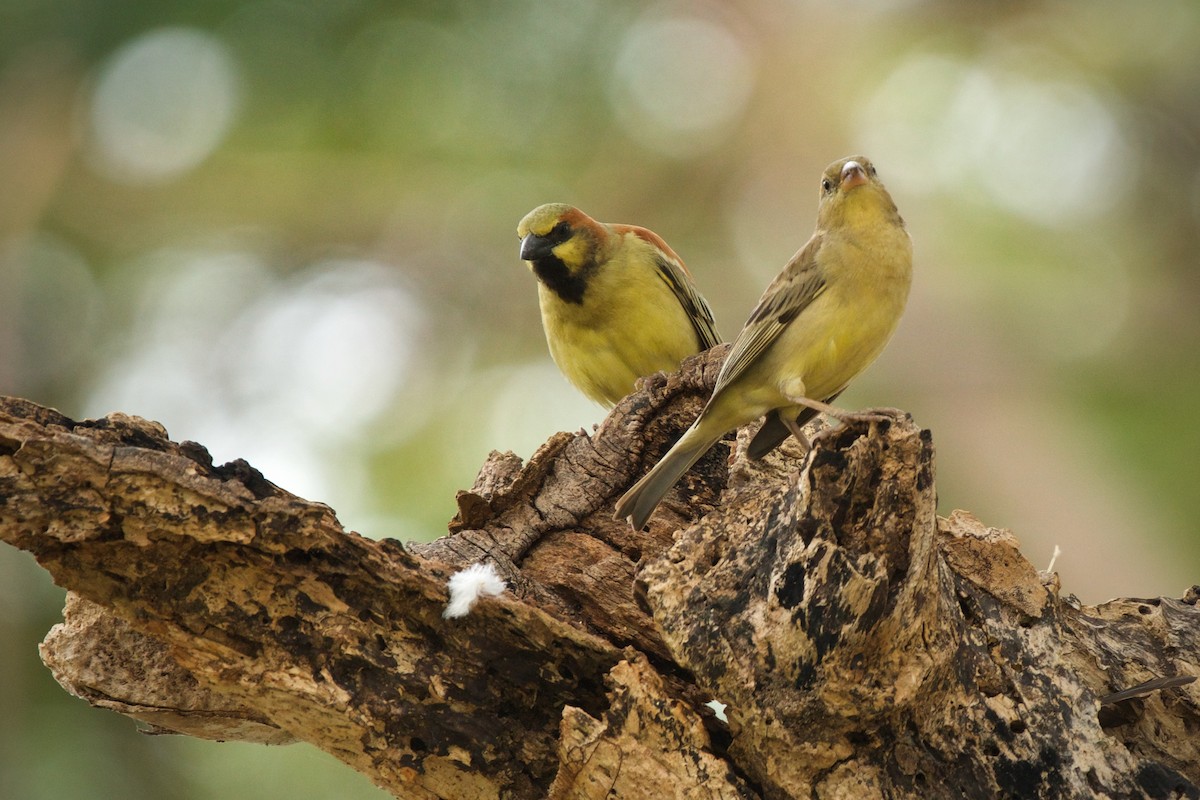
820,323
617,302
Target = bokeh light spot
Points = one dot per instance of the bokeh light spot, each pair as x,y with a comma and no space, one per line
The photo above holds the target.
284,373
679,84
330,351
1049,150
162,103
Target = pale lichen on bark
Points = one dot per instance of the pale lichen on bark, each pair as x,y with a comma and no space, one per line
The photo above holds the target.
865,646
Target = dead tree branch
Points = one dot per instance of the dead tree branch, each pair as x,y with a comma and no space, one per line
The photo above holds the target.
865,647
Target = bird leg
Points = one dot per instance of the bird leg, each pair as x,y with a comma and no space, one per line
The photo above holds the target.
840,414
796,430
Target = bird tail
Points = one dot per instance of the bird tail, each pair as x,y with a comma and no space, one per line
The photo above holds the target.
772,434
639,502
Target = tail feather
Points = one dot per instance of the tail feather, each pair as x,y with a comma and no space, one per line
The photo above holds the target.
772,434
640,501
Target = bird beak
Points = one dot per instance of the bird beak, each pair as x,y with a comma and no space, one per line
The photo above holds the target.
853,175
534,247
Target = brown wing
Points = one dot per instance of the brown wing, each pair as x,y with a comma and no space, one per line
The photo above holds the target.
675,276
800,282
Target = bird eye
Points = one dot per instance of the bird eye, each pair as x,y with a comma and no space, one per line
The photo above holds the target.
560,231
826,185
871,169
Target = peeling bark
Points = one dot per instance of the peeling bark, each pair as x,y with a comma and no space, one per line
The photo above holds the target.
865,647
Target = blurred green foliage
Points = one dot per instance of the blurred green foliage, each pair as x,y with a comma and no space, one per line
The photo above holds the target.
286,230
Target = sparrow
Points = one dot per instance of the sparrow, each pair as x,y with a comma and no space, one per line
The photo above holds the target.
617,303
820,323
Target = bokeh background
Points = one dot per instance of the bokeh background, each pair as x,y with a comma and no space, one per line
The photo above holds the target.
286,230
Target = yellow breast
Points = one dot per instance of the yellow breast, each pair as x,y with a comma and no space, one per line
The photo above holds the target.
630,324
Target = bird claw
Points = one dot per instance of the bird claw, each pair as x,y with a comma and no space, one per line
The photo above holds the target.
877,416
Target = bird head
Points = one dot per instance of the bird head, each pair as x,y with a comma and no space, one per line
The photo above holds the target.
559,236
851,193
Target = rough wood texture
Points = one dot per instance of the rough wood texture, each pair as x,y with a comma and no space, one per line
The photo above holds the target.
865,647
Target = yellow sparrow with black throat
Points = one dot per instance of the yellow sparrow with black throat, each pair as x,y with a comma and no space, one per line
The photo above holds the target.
617,303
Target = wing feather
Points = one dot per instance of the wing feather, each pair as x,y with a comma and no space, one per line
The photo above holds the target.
792,291
675,275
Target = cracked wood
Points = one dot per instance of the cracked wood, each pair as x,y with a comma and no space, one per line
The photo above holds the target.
865,646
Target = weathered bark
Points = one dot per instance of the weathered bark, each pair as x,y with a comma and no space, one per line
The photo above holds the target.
865,647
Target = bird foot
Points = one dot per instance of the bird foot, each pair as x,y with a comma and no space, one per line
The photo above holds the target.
875,415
